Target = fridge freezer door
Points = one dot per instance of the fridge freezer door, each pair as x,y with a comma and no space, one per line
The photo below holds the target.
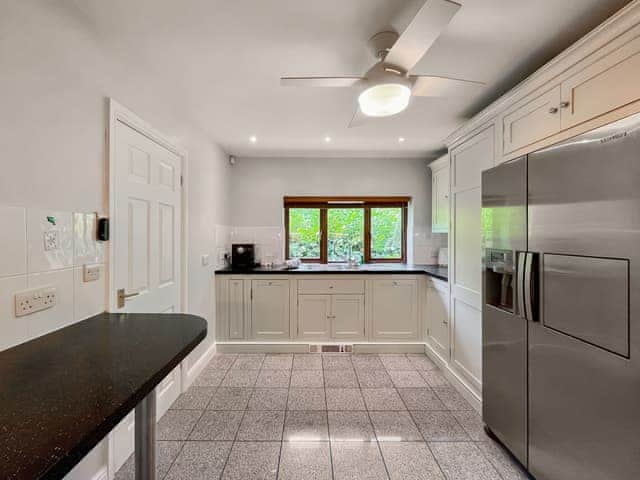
504,330
584,350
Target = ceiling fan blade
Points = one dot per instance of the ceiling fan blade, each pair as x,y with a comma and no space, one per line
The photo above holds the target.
358,118
423,30
319,81
431,86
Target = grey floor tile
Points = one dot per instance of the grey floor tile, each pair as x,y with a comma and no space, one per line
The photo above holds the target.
222,361
305,461
209,377
407,379
463,461
252,460
177,424
273,378
350,427
366,361
200,461
396,362
374,378
166,453
344,399
506,466
307,378
302,425
421,362
282,361
435,378
382,399
269,399
439,426
452,398
306,399
394,426
196,398
307,361
337,361
240,378
357,460
472,423
421,399
230,398
217,425
261,426
340,378
248,361
410,461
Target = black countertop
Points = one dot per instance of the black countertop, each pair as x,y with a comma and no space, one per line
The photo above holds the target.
62,393
436,271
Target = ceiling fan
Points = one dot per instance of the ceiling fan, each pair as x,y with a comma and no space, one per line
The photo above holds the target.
387,87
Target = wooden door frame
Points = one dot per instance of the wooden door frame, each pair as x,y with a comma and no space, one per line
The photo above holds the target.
120,113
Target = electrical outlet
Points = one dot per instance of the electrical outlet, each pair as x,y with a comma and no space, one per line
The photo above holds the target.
51,240
90,273
35,300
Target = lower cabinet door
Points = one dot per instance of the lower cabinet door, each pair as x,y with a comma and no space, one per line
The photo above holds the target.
438,320
270,309
347,316
235,318
313,316
394,309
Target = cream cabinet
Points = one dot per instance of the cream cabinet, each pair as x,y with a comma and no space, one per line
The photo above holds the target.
438,318
347,317
395,309
534,118
603,82
236,309
314,315
270,309
440,195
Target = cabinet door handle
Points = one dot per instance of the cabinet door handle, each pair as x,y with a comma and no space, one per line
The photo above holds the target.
395,284
564,104
553,110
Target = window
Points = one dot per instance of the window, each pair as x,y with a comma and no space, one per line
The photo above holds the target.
333,229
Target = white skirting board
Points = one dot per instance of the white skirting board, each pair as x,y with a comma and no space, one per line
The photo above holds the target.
190,370
459,384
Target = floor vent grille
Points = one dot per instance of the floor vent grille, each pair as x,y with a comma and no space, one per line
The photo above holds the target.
342,348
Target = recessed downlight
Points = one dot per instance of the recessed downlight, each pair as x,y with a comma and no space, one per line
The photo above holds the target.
327,139
253,139
401,139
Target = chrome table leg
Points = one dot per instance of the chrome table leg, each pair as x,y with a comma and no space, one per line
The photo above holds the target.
145,446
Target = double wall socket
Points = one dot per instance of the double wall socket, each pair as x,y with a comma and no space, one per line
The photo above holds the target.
35,300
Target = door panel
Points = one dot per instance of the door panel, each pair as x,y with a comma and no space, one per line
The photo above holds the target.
236,309
584,199
438,319
347,316
394,311
270,309
504,331
314,316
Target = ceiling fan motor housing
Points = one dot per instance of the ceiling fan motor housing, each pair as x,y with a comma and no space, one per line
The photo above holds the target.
380,44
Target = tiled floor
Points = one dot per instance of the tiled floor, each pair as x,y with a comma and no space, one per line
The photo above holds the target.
325,416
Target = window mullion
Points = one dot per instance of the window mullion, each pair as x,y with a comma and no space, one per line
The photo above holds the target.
324,243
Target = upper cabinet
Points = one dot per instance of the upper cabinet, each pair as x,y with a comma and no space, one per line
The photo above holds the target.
604,82
440,195
532,119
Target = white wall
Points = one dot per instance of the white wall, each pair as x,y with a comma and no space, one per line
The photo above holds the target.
57,72
258,185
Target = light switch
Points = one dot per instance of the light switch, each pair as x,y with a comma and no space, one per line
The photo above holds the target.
51,240
205,260
90,273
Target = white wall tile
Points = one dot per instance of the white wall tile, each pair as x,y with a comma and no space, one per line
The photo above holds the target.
86,248
13,241
89,297
40,260
62,313
13,330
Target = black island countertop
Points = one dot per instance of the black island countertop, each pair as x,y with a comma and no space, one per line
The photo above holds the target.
436,271
62,393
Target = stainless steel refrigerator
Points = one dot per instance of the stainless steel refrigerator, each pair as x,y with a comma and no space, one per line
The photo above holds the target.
561,309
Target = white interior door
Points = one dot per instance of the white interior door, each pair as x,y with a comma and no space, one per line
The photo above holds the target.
145,260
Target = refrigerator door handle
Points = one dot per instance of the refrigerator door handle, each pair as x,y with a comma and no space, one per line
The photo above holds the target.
520,284
529,287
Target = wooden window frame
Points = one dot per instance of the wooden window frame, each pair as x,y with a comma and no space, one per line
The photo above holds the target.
366,203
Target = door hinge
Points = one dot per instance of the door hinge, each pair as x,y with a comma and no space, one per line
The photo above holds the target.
181,180
251,293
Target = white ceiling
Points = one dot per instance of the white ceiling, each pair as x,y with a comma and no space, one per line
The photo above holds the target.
224,59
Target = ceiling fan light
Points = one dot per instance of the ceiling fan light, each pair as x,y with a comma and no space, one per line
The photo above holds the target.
384,99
